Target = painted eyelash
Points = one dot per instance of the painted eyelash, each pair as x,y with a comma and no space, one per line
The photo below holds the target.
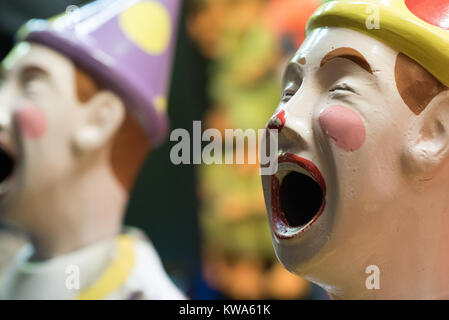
286,96
342,86
289,91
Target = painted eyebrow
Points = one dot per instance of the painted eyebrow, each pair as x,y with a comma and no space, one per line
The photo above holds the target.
31,72
350,54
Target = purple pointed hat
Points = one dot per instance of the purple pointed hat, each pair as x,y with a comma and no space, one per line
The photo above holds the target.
127,45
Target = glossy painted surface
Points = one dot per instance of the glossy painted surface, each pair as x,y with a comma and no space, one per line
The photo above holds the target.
426,41
435,12
278,121
344,126
386,199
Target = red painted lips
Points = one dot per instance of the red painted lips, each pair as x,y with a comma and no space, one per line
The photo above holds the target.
299,199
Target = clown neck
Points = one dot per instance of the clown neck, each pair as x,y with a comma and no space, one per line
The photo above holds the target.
84,210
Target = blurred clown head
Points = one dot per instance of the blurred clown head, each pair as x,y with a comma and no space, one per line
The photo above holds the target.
79,96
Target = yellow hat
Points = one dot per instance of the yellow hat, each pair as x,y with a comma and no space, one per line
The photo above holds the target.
417,28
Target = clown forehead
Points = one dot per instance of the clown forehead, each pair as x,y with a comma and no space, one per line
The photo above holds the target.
25,56
325,44
416,86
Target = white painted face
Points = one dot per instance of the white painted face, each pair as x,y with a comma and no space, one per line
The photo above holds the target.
45,132
357,182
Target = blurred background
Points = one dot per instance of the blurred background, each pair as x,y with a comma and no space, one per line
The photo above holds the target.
208,222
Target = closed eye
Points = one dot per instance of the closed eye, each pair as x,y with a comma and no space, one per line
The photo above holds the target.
288,94
292,81
343,87
32,80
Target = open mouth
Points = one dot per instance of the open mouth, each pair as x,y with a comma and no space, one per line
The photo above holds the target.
7,166
298,193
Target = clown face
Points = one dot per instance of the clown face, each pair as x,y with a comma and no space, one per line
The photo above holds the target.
362,144
45,133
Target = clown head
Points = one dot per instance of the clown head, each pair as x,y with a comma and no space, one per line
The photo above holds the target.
363,170
81,104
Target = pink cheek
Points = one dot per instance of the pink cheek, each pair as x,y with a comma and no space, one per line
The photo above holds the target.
344,126
33,122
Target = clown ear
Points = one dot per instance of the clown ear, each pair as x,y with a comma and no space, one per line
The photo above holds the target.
427,147
102,118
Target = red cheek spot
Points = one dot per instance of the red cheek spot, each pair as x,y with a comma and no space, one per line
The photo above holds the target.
33,122
278,121
344,126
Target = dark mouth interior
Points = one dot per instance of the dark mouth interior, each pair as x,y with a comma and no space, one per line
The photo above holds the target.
6,165
300,198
